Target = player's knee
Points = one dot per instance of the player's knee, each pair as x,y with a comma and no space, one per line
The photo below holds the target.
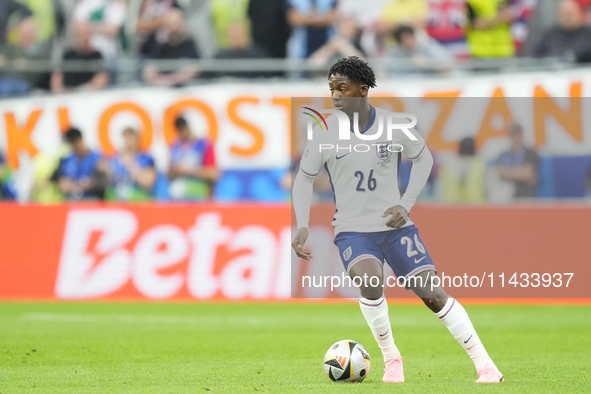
424,287
371,292
435,304
426,292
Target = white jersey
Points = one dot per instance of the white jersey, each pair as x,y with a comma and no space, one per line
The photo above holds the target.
363,174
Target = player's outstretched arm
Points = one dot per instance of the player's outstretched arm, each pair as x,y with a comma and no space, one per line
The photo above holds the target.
302,199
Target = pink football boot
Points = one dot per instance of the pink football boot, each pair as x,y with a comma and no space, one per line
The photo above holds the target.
489,375
394,373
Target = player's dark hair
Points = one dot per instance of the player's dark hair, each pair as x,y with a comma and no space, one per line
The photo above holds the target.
130,130
467,147
355,69
72,135
180,122
401,31
516,128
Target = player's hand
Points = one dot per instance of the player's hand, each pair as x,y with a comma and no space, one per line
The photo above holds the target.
298,244
66,185
399,216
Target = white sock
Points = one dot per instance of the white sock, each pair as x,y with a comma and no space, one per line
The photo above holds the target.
376,314
454,317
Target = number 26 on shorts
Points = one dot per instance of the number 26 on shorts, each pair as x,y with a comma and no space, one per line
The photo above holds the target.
410,252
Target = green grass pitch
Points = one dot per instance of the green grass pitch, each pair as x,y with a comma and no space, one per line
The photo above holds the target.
236,348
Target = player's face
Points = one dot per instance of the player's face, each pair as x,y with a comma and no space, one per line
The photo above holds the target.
184,133
517,140
132,142
346,96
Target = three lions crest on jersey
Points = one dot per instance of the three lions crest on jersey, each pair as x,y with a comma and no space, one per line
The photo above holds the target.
384,150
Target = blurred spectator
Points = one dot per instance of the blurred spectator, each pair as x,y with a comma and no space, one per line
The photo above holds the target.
268,26
225,13
6,191
106,19
403,12
2,171
84,51
463,175
178,46
570,38
344,44
588,183
240,49
311,21
193,166
447,24
519,165
488,31
16,79
46,15
131,173
586,8
367,14
46,177
521,10
150,24
79,178
423,53
9,8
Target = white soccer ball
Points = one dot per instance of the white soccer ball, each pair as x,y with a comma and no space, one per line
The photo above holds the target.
347,361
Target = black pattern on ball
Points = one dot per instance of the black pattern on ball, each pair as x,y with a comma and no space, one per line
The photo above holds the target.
334,363
352,345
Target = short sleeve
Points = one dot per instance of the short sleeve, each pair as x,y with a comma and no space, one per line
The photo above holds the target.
148,161
503,159
413,149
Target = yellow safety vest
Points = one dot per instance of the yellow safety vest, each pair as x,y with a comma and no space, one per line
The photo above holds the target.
494,42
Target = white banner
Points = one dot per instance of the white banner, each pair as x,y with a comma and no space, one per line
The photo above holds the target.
250,121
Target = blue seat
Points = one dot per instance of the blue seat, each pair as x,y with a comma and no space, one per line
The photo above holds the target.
546,178
161,187
251,185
